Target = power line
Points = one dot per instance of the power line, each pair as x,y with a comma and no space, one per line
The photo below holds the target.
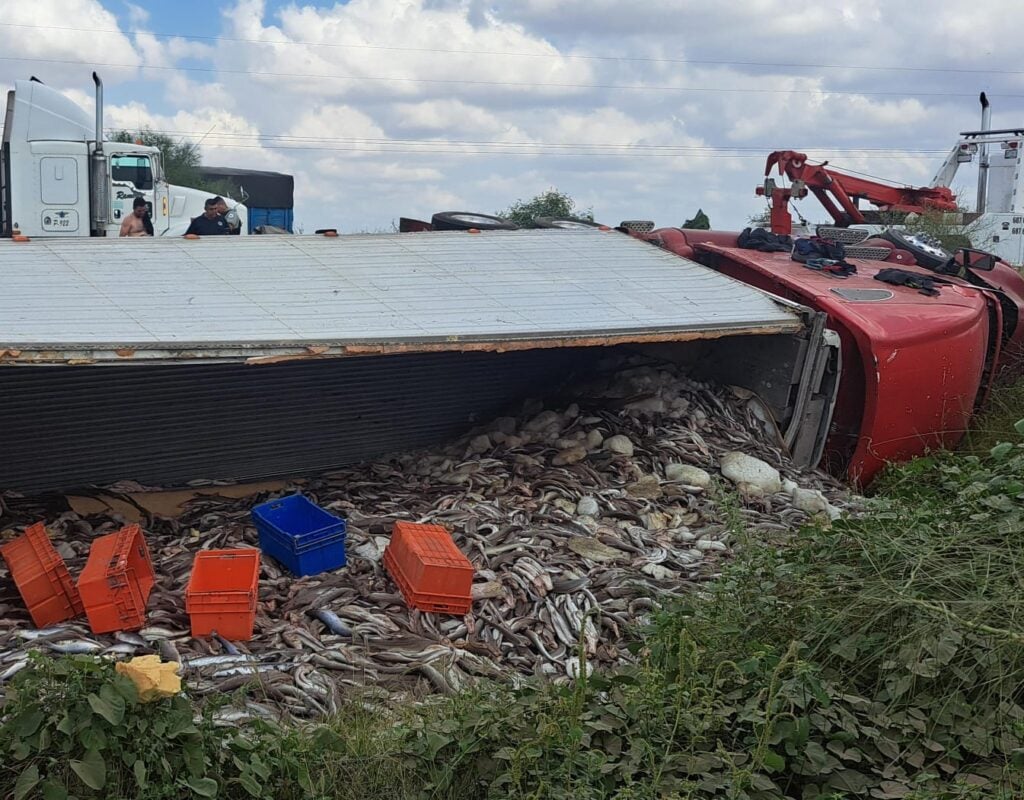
567,56
464,81
684,149
520,153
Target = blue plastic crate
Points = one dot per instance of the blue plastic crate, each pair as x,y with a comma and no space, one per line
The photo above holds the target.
300,535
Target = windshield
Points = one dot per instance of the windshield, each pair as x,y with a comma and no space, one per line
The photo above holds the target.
135,170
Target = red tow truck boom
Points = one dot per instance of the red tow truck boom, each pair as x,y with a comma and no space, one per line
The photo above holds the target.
840,192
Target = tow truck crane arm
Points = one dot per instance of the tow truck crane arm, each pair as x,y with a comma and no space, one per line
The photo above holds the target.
840,193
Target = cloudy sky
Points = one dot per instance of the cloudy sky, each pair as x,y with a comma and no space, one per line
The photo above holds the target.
389,108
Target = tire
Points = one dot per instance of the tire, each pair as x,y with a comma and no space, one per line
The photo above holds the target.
927,255
466,220
564,222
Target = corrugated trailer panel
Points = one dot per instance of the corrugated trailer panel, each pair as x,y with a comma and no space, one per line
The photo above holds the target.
170,424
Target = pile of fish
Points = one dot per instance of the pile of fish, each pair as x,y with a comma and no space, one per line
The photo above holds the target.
578,522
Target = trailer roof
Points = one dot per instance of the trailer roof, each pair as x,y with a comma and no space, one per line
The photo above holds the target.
264,298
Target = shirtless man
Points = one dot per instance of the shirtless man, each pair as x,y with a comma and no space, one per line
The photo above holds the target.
137,223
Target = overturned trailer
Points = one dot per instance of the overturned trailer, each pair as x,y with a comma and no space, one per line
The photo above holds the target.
168,361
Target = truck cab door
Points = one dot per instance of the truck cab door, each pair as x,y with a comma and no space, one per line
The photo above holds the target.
131,176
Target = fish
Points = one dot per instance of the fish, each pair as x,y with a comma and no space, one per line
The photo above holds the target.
120,649
31,635
548,578
332,621
168,652
229,648
13,670
75,646
210,661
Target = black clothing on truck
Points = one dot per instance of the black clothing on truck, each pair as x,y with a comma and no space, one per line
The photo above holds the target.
204,226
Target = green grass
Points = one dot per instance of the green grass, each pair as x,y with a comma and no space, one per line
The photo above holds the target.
1004,409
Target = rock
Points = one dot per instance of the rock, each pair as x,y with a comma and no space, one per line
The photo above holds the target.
588,507
480,444
573,668
743,469
710,544
570,455
788,486
594,439
690,475
568,506
544,420
658,572
593,549
619,444
572,411
487,591
647,488
513,442
565,444
506,425
813,502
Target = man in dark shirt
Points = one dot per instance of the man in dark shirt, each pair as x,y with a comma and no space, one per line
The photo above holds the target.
210,223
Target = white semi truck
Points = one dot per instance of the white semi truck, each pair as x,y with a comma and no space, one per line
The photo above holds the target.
59,177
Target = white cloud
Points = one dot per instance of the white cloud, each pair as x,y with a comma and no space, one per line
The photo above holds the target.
417,106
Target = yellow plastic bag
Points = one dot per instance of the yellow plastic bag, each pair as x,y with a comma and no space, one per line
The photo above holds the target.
154,679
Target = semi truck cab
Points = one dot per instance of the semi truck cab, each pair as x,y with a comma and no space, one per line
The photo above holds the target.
60,178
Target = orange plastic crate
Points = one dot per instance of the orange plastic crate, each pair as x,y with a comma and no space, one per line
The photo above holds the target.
222,592
431,572
42,577
116,581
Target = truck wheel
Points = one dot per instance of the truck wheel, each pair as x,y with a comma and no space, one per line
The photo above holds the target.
562,222
464,220
925,253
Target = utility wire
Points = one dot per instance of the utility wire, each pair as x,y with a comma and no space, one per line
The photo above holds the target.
574,56
468,82
685,149
520,153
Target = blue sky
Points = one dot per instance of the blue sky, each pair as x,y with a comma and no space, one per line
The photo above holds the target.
388,108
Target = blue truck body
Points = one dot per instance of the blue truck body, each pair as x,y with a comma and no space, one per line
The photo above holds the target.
269,196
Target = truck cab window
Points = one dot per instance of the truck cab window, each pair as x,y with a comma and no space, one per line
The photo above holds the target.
135,170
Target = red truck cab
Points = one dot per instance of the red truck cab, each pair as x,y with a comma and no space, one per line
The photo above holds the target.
914,366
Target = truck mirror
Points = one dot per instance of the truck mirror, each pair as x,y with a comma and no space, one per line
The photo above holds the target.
976,259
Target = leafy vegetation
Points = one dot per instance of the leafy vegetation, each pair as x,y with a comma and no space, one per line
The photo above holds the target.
700,221
550,203
878,657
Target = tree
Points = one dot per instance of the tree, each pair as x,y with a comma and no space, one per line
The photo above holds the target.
700,221
551,203
181,160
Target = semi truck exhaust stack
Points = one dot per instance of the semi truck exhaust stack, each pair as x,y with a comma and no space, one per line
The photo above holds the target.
986,125
99,178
